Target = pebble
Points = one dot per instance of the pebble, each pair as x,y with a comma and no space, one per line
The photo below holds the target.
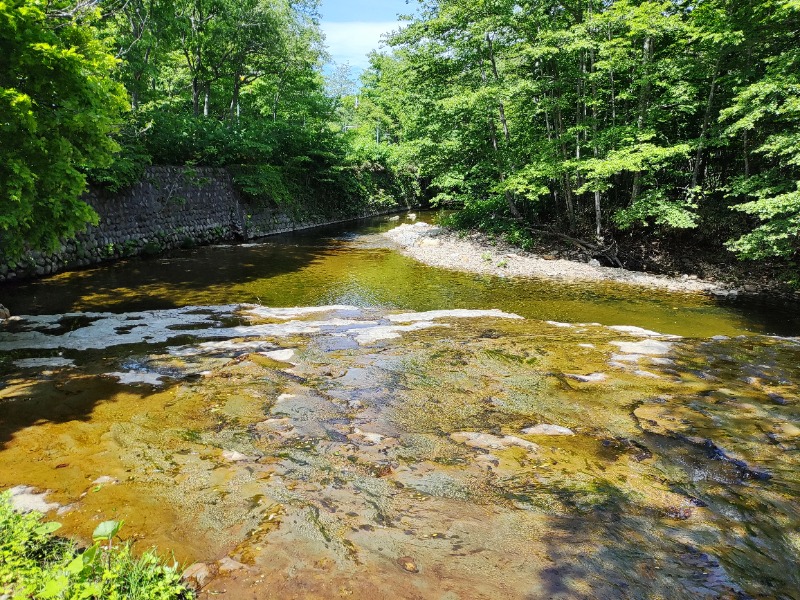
408,564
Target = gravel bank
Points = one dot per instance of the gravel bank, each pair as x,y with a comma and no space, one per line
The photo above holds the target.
439,247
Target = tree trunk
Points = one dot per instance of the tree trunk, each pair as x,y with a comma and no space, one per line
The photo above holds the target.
233,112
196,96
275,106
568,201
501,174
647,52
698,159
500,107
598,215
746,152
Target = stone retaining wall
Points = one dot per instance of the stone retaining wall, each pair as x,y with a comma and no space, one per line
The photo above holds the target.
171,207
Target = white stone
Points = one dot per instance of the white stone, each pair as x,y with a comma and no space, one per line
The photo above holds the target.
280,355
234,456
591,378
104,480
369,437
26,499
557,324
134,377
546,429
648,347
648,374
638,331
432,315
486,441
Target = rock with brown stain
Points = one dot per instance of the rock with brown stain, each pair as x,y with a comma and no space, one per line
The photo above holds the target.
198,575
228,565
408,564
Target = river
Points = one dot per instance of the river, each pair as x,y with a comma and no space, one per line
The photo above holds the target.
408,432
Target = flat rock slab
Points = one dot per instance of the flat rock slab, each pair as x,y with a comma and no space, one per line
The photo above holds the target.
546,429
487,441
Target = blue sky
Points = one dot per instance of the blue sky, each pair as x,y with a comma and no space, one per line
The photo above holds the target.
354,27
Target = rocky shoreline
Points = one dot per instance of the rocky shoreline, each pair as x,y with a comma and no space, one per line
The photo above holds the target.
475,253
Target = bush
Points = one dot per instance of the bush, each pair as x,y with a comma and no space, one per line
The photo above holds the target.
36,564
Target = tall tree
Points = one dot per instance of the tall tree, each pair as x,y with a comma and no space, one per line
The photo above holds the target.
58,108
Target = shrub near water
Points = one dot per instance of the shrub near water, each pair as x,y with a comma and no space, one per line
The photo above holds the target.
36,564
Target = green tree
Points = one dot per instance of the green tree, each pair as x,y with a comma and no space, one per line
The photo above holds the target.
765,117
58,108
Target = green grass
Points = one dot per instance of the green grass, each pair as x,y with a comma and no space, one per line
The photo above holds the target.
34,563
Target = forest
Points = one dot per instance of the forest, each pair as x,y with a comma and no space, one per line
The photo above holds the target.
599,122
92,92
673,120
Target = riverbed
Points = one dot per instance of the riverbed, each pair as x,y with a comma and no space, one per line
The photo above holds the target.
319,416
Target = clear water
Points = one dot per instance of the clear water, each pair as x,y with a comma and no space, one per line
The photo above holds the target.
400,466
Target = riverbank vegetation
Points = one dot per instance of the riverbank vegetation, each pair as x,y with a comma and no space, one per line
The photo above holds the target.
668,122
628,128
93,92
36,564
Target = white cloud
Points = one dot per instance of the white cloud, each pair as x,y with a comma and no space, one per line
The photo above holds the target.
352,41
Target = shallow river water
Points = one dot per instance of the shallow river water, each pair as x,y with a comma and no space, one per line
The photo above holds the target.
407,432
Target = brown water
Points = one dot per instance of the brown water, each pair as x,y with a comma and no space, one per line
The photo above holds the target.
385,456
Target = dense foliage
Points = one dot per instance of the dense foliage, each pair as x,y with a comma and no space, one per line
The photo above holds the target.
595,116
58,105
239,84
585,117
35,564
99,90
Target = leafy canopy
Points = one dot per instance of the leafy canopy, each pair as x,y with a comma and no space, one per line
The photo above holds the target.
59,106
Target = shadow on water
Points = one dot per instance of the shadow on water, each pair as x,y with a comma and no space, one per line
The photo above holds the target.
199,276
56,399
618,550
768,315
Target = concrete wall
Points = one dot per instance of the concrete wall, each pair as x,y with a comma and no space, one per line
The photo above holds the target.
171,207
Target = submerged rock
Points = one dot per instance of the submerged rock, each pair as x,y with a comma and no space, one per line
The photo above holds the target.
234,456
198,575
408,564
228,565
648,347
590,378
36,363
368,437
25,499
134,377
547,429
105,480
487,441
